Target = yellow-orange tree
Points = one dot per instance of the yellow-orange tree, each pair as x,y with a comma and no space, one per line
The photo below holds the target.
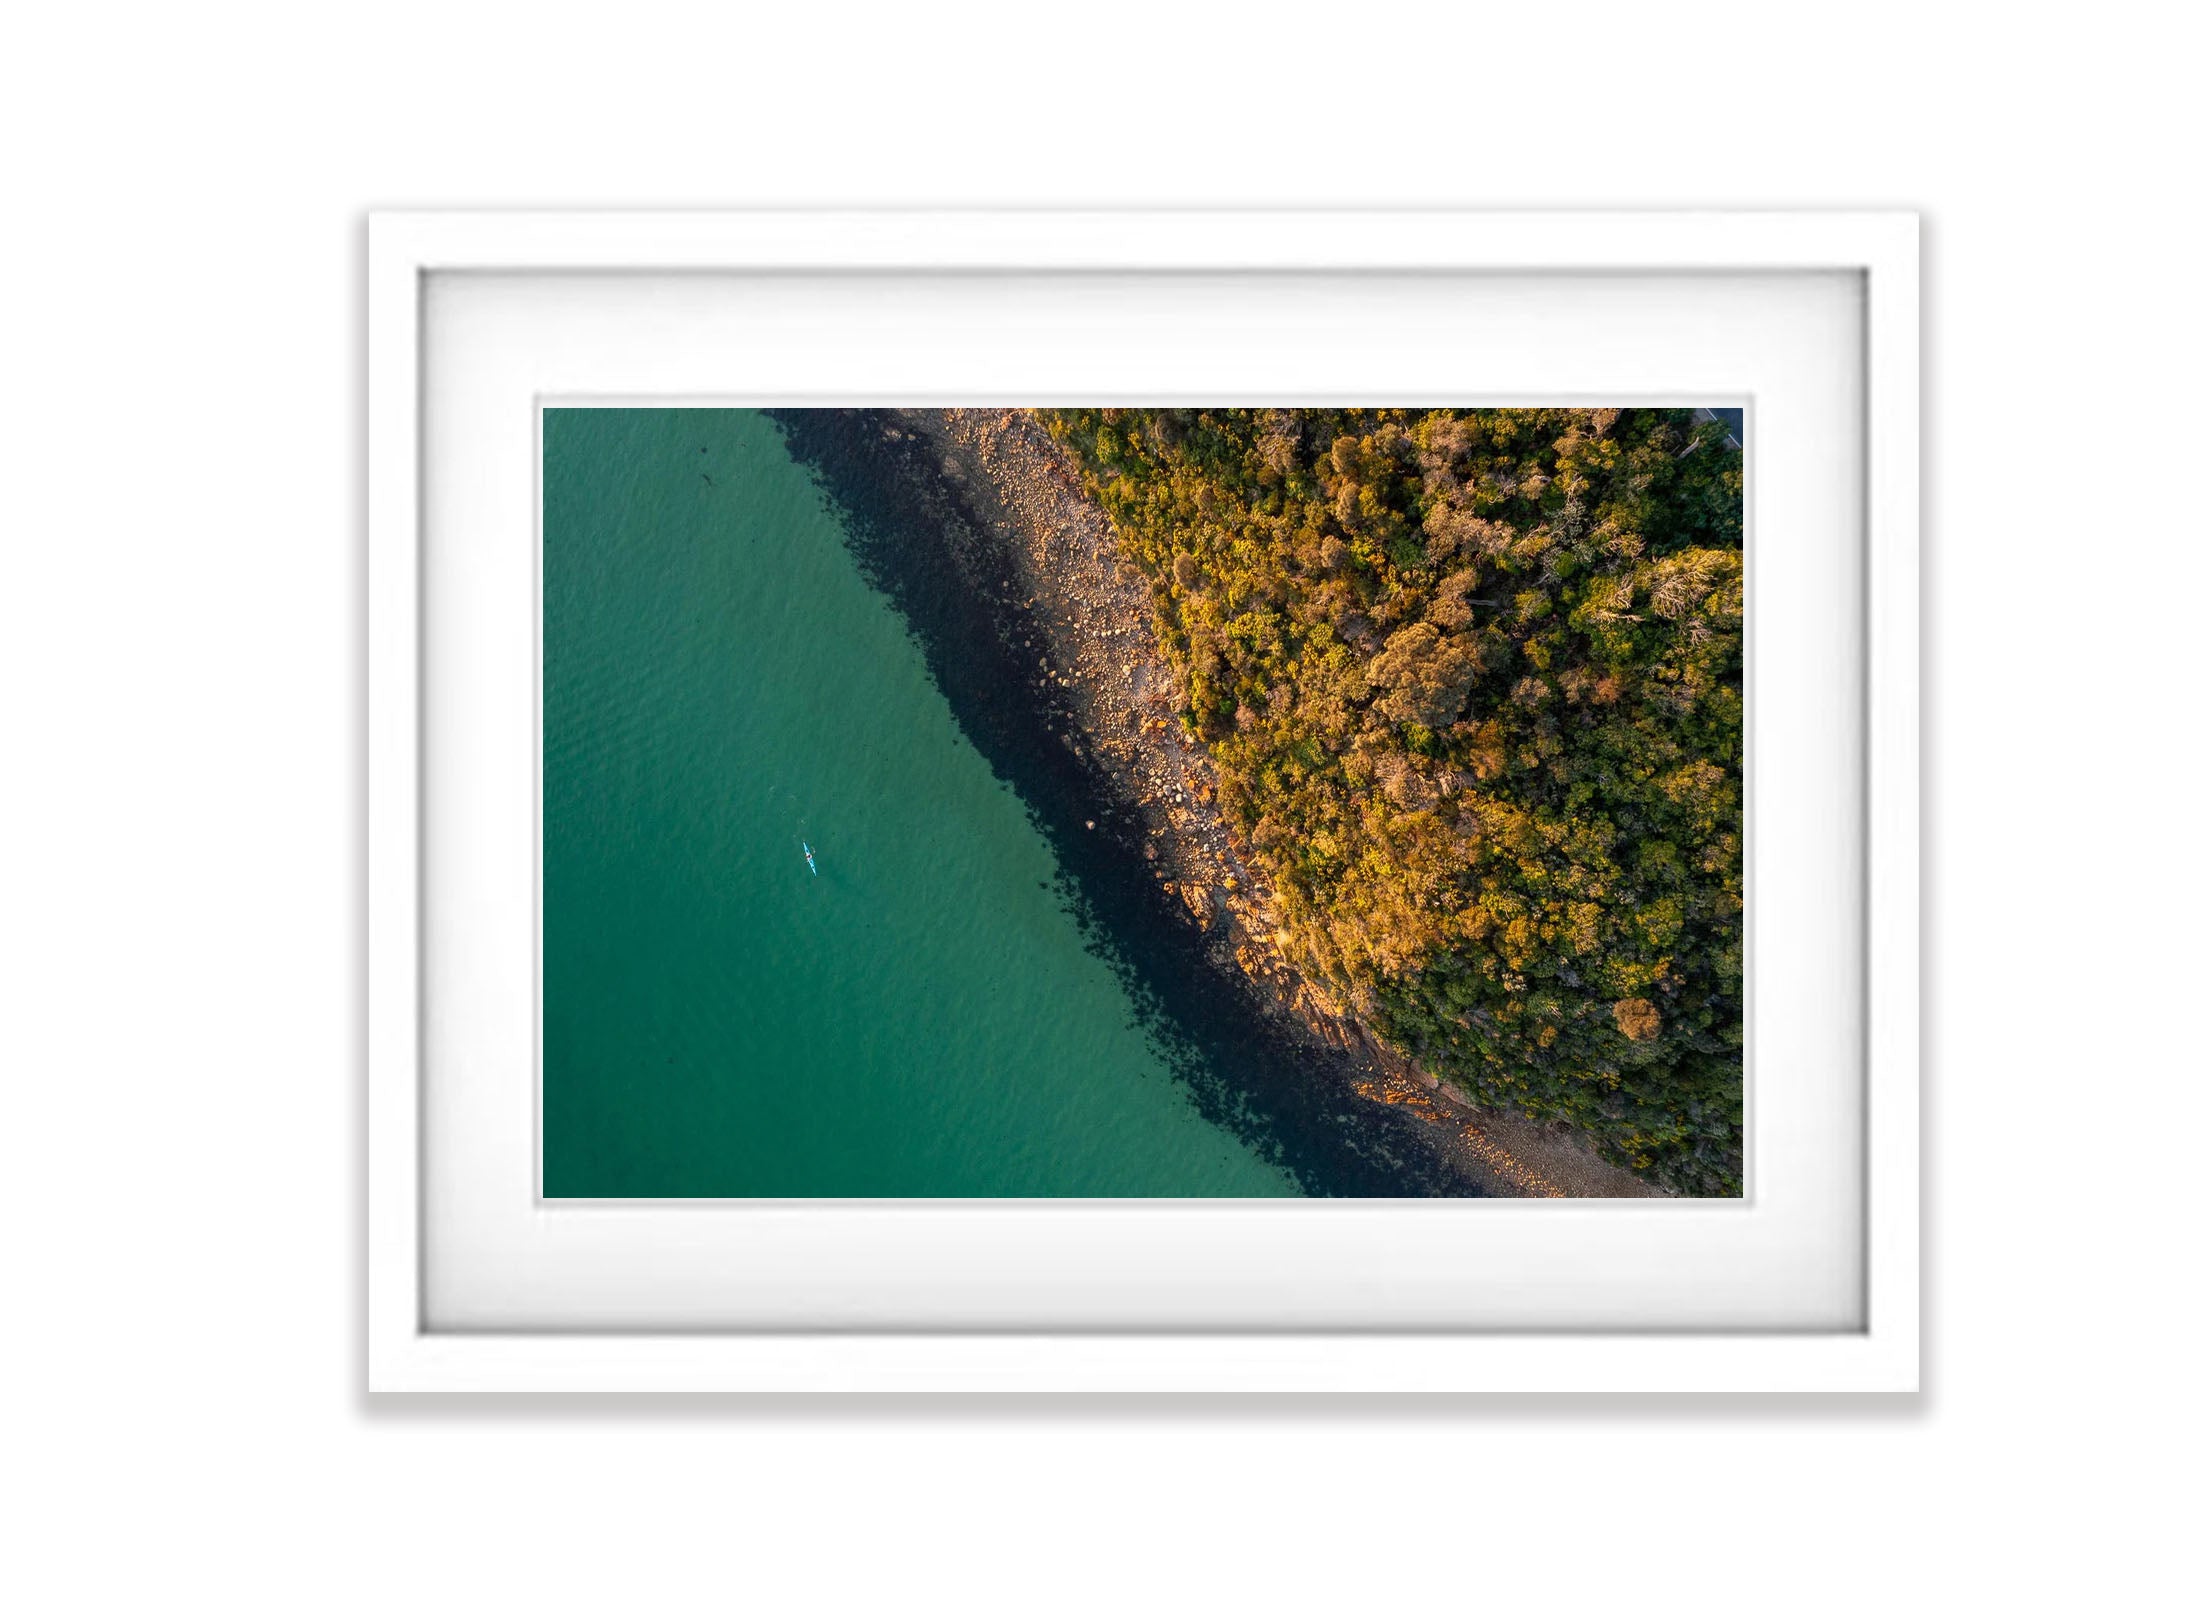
1473,681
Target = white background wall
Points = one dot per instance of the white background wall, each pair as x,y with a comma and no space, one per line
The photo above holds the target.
179,872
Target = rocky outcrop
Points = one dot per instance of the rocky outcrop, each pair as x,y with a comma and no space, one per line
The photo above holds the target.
1093,608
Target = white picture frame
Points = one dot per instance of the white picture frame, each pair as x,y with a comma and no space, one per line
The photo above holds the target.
407,1351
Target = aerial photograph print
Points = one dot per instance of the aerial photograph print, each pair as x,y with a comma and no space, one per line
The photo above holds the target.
1141,802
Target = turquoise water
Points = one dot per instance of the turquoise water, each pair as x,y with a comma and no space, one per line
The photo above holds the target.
924,1016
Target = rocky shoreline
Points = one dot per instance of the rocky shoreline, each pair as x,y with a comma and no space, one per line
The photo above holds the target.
1005,503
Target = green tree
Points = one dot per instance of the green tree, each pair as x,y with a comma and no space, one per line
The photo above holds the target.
1473,684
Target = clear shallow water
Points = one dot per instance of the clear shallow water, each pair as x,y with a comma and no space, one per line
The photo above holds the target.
925,1017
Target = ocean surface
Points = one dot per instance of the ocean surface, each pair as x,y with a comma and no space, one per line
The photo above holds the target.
931,1014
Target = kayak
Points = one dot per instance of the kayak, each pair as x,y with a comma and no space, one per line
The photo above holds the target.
812,860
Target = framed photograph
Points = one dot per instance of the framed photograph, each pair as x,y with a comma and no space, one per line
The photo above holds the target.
1143,801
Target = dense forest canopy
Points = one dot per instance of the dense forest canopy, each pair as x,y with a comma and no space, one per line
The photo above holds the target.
1473,681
